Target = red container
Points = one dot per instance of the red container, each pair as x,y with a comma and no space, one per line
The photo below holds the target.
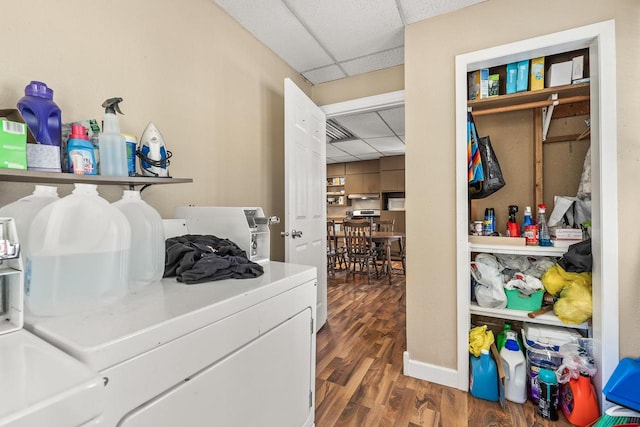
578,401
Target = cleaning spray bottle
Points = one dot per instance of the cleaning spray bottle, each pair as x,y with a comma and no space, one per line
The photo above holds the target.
154,157
513,230
113,150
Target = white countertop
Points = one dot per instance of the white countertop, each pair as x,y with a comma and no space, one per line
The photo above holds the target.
159,313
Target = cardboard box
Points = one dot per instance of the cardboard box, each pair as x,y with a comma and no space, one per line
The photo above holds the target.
37,156
577,68
559,74
501,374
494,85
479,84
512,78
13,140
537,73
522,81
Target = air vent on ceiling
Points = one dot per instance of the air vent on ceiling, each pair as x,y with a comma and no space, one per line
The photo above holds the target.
336,132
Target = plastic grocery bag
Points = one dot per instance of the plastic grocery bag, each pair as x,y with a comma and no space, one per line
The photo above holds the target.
480,339
555,279
489,284
577,358
575,304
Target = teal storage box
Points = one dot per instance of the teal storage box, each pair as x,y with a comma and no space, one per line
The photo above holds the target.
512,78
522,81
515,301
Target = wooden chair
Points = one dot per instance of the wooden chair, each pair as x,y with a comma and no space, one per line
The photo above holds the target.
360,250
385,225
397,254
335,253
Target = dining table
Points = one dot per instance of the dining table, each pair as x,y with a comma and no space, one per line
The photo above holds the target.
385,237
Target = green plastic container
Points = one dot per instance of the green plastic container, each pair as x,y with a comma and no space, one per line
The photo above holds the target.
515,301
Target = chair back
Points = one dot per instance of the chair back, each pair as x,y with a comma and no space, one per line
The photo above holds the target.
331,236
385,225
357,236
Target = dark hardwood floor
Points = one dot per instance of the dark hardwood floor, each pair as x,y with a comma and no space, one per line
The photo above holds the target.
359,380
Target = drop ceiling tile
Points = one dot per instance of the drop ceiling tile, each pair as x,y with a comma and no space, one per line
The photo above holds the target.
355,147
325,74
371,156
386,144
271,22
345,159
366,125
395,119
330,161
376,61
417,10
334,151
351,28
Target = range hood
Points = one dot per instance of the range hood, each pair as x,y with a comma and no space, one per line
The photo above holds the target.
363,196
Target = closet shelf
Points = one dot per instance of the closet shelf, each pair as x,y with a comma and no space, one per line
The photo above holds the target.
14,175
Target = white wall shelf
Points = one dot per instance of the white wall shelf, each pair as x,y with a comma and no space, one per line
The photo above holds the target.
522,315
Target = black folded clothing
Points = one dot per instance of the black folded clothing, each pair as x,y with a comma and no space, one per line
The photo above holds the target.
204,258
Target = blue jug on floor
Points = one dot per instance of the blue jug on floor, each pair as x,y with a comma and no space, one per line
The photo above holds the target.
483,377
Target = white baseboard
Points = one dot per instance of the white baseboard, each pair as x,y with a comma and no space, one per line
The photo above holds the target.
431,373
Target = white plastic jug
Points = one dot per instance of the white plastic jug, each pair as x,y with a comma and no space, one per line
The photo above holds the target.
79,251
25,209
515,369
146,261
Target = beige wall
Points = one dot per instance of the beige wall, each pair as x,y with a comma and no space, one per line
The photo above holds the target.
431,47
212,89
360,86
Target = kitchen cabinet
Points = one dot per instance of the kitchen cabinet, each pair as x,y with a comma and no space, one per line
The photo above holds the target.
600,93
363,183
365,166
392,180
335,169
392,163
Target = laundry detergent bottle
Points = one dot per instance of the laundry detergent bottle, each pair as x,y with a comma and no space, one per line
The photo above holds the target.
515,370
146,263
579,402
80,152
41,114
25,209
79,254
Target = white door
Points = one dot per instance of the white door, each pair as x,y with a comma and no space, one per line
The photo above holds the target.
305,190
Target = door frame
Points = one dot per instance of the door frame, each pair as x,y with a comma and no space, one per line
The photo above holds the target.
600,39
363,105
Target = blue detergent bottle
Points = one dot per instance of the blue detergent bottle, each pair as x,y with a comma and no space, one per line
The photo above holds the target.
483,377
41,114
80,156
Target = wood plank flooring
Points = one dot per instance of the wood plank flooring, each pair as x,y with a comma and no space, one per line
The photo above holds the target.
359,380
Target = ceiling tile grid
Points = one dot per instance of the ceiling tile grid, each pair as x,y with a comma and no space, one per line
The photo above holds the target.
326,40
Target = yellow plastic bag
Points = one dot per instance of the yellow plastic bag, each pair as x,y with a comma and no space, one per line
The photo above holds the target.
575,304
555,279
480,339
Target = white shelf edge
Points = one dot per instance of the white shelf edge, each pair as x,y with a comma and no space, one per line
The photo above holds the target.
545,319
518,250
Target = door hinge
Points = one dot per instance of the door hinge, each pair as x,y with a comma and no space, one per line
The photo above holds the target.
312,329
310,398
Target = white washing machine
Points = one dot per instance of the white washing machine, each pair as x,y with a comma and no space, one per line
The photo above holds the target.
42,386
224,353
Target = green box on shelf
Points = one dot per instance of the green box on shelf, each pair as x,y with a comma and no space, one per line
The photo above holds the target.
515,301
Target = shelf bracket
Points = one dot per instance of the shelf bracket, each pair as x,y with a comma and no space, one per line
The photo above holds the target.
547,113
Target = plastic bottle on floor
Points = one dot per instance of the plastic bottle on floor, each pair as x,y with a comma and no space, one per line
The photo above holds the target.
483,377
515,369
578,401
146,264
